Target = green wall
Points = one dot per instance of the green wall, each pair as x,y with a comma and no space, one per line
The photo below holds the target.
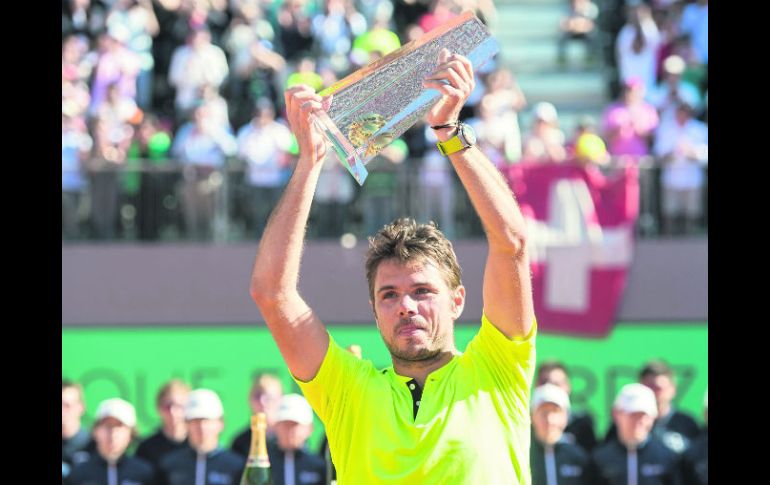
132,363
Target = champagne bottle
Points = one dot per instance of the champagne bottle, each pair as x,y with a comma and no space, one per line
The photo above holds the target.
257,471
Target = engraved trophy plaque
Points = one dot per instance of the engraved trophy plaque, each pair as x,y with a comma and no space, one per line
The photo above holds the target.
376,104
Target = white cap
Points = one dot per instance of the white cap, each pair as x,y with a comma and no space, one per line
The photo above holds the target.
674,64
119,409
295,408
203,404
550,393
545,111
634,398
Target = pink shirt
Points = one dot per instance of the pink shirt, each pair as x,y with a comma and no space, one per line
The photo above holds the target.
626,128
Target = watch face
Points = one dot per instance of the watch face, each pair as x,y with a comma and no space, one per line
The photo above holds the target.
467,134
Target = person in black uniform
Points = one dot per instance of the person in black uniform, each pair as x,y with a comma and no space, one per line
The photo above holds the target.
109,465
554,460
635,457
695,461
172,434
204,462
673,427
580,425
264,397
76,442
290,461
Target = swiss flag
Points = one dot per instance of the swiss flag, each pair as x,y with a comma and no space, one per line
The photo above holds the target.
581,230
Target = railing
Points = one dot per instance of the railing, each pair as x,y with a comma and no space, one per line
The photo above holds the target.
167,202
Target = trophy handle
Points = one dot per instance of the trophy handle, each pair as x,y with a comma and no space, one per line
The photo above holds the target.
345,151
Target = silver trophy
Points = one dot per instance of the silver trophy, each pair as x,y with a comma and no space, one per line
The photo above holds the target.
376,104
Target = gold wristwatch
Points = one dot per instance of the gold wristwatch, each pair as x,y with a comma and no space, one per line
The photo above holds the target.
464,138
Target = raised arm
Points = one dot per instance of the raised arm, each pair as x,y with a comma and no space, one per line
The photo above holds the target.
300,335
507,283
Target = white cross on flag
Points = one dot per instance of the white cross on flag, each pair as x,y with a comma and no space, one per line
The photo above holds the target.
581,229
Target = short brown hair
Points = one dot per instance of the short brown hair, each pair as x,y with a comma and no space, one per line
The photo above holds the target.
168,388
655,368
406,241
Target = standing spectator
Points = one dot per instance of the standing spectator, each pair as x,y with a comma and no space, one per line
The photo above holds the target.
264,145
580,425
695,461
333,196
201,146
83,17
553,458
290,461
695,22
112,138
637,44
681,146
172,434
204,462
636,456
76,442
672,427
545,141
116,66
264,397
295,29
334,31
113,432
380,195
673,89
579,24
150,152
507,100
628,125
495,132
193,65
76,146
138,19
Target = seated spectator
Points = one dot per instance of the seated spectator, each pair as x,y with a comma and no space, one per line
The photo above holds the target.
113,432
673,89
204,461
172,435
636,456
554,459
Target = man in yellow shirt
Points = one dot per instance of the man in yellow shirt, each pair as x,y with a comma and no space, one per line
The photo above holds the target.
437,415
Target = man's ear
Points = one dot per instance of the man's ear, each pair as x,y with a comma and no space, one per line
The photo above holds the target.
458,301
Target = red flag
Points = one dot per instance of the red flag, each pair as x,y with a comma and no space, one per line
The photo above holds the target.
581,230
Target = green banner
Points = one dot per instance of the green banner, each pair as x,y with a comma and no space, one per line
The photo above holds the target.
133,363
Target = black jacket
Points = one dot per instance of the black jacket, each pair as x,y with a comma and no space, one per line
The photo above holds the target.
95,471
222,467
75,450
655,464
695,461
675,430
157,446
580,431
309,468
572,463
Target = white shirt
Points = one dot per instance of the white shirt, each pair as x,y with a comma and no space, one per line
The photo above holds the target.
671,137
263,148
642,64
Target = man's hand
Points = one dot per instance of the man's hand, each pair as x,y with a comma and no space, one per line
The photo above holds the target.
453,78
301,101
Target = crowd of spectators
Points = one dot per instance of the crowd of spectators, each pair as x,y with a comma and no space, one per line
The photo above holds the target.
649,441
172,113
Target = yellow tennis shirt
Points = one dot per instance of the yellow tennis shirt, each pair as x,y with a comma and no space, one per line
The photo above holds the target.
472,427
